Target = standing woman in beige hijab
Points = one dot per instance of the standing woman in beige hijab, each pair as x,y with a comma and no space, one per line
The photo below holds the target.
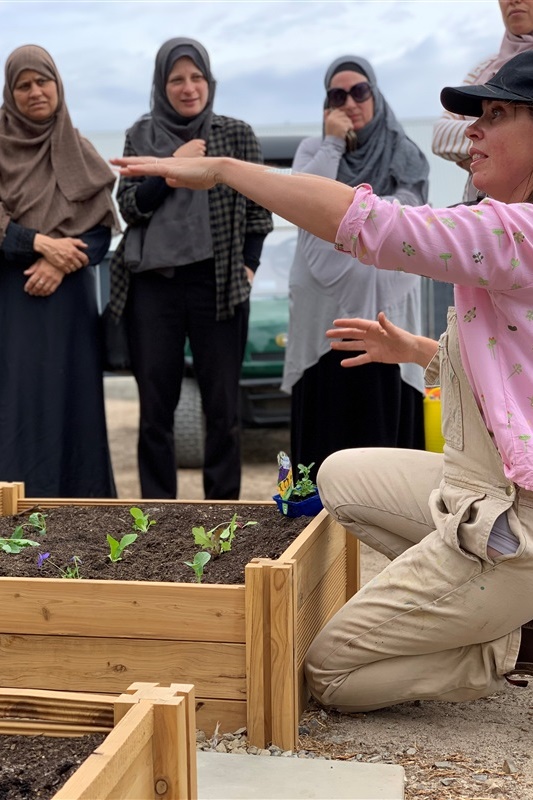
56,217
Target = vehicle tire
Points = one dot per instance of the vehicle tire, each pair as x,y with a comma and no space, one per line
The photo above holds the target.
189,427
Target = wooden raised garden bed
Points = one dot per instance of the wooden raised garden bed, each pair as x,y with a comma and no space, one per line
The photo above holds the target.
150,750
242,646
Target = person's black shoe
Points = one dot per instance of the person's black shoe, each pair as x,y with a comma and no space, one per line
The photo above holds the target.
524,662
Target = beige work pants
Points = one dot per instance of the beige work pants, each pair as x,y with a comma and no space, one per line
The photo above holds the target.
442,621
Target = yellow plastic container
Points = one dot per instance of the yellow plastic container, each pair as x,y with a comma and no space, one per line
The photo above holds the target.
432,421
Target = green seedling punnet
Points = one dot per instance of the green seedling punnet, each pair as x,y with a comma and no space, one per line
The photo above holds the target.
304,486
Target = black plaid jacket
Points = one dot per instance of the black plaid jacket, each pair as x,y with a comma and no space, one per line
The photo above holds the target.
231,215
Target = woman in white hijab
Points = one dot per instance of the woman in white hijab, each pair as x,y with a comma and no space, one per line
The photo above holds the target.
381,404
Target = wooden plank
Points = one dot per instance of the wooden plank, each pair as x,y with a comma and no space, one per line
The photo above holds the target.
307,538
231,714
304,632
125,755
169,748
187,693
258,652
174,745
56,502
10,494
327,598
31,727
135,609
318,558
353,565
283,655
111,665
61,713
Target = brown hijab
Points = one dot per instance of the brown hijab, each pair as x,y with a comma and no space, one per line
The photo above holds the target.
51,178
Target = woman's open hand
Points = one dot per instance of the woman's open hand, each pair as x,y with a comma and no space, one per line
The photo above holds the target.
65,254
380,341
191,173
43,278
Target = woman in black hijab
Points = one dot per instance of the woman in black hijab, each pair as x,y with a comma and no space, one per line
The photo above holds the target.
183,270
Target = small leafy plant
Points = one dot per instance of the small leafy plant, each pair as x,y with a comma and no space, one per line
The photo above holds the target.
71,570
218,539
15,544
141,521
36,522
116,548
304,486
198,564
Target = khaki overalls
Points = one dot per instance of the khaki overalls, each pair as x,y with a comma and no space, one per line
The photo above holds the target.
442,621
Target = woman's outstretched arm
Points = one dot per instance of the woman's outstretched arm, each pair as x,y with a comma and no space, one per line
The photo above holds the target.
311,202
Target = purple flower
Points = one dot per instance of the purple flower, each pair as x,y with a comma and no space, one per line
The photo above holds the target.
41,558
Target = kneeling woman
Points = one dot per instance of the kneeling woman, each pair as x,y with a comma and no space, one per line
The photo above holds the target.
444,620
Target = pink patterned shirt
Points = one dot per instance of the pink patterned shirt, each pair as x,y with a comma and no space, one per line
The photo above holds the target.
486,250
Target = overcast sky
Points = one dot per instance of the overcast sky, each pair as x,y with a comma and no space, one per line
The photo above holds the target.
269,58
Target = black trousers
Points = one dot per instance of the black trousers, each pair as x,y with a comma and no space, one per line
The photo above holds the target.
336,408
161,313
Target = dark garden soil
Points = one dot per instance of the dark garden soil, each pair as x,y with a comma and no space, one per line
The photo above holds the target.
156,555
38,766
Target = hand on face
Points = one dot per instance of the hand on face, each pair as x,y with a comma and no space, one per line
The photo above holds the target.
189,173
337,123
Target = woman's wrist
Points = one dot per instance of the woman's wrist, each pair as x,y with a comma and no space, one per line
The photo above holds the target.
40,242
424,350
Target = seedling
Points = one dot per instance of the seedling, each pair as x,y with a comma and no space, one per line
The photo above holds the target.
71,570
304,486
116,548
218,539
198,564
15,544
36,521
141,521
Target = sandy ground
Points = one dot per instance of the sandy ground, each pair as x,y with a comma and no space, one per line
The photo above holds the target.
472,751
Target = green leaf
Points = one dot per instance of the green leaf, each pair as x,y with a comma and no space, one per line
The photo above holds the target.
127,539
202,538
114,548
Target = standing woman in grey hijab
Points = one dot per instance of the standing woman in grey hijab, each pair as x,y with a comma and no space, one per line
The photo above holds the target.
333,408
184,270
56,219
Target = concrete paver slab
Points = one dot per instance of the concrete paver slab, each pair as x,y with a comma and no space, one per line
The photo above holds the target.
225,776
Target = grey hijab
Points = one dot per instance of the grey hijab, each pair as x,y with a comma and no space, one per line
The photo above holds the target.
179,232
385,157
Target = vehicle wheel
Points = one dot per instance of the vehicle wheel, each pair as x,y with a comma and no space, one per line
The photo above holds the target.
189,427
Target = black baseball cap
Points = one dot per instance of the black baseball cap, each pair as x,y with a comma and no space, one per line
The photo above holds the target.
512,83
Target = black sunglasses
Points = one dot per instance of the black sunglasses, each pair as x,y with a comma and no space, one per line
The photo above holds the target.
359,92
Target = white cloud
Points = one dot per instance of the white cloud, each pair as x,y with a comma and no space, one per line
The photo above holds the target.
269,57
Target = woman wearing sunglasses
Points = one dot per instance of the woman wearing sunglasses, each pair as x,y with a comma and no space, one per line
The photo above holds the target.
447,619
381,404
